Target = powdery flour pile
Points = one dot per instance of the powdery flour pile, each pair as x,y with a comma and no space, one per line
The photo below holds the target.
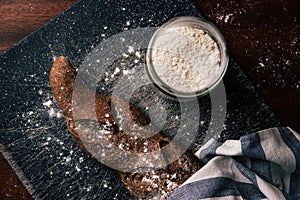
186,58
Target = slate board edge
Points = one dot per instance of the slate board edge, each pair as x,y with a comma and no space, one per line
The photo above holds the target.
20,42
17,170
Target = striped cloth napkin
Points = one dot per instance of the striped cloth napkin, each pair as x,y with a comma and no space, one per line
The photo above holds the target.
261,165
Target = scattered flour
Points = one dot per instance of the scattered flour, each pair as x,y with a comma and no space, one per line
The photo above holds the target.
226,18
48,103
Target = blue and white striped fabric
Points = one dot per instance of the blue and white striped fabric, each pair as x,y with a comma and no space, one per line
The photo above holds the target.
261,165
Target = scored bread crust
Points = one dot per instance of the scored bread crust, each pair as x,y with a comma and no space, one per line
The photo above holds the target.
152,184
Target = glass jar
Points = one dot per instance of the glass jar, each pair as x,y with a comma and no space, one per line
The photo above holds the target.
210,81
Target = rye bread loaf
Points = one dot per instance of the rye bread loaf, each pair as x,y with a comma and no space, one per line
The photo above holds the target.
152,184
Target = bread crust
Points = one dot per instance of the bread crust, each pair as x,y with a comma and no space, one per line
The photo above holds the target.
152,184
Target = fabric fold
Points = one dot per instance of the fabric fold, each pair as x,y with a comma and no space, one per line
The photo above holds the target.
260,165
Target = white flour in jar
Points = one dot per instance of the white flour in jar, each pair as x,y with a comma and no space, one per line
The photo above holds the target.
186,58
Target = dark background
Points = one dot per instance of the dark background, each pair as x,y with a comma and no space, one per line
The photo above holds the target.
262,36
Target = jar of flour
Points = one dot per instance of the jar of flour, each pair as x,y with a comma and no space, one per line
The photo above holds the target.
187,57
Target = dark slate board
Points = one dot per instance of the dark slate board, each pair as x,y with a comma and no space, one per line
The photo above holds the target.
40,149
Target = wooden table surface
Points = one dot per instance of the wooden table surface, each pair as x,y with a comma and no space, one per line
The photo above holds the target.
262,36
